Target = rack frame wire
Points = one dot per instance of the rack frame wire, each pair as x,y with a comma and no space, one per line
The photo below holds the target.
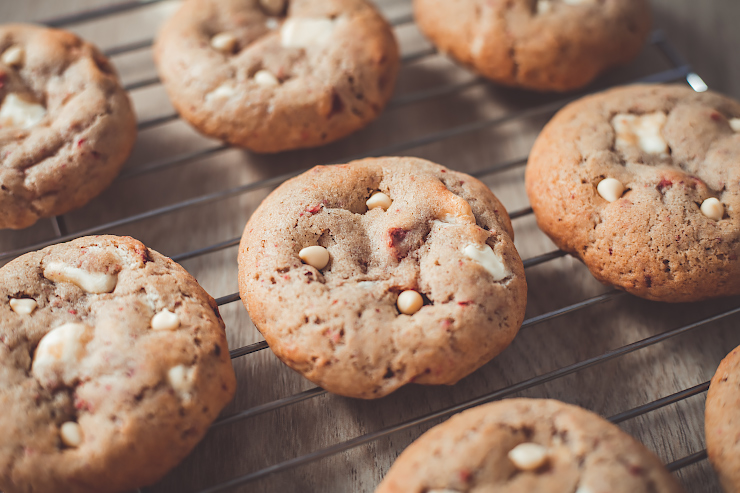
680,70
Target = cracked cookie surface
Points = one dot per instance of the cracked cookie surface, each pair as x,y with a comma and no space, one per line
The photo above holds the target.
113,363
527,445
546,45
423,285
66,125
642,183
274,75
721,425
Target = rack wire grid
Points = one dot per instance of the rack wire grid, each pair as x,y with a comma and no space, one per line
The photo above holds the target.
665,65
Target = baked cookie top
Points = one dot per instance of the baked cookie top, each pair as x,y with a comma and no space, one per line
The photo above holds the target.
113,363
527,445
643,184
273,75
547,45
722,425
367,276
66,125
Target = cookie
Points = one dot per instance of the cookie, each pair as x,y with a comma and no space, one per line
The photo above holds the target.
113,363
721,426
66,125
545,45
274,75
642,183
367,276
527,445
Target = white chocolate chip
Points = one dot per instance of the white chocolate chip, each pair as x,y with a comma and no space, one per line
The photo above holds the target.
59,352
713,209
224,42
23,306
315,256
16,112
271,23
92,282
409,302
266,79
14,56
165,320
735,124
379,199
610,189
528,456
488,259
303,32
274,7
644,131
222,92
71,434
181,379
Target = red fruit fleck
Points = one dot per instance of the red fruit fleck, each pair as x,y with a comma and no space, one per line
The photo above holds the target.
636,470
335,302
715,116
664,183
80,142
286,277
396,236
73,312
465,475
443,171
464,303
313,210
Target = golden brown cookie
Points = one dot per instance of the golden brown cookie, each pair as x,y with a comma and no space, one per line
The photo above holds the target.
66,125
642,183
526,446
546,45
113,364
722,424
367,276
274,75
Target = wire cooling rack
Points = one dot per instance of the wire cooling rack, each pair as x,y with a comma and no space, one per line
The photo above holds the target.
677,69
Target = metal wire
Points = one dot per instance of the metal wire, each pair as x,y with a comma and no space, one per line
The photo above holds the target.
498,394
679,70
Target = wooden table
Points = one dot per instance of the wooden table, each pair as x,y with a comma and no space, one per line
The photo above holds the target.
705,32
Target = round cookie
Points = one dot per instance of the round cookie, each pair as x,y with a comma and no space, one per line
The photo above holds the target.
721,425
527,445
66,125
546,45
642,183
113,363
274,75
367,276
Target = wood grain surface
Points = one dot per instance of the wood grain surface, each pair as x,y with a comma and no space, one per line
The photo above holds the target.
705,32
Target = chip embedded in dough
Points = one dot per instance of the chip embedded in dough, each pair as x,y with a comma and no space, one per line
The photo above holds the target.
402,299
